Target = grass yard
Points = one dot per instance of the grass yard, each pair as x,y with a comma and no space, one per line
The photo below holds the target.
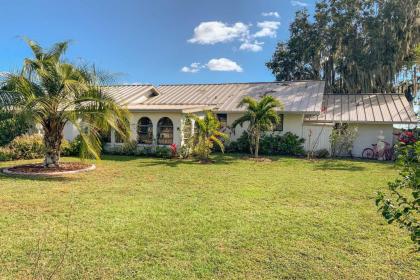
136,218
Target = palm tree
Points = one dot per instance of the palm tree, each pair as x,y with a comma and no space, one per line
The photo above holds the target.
52,92
261,117
207,134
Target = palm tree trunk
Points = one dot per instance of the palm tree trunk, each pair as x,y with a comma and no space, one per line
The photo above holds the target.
257,143
52,141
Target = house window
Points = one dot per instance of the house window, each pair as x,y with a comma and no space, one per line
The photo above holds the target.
105,136
223,120
145,131
165,131
118,137
279,126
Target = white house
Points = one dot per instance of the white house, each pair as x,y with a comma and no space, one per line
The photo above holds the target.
158,114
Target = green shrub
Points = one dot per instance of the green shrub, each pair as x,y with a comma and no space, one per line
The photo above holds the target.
129,148
289,144
342,139
185,151
268,144
27,147
72,148
286,144
146,151
32,146
6,154
322,153
163,152
241,145
11,127
65,148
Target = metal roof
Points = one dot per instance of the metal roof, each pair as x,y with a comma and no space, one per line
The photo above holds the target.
302,96
128,94
373,108
171,108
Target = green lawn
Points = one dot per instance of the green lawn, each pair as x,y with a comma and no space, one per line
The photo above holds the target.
136,218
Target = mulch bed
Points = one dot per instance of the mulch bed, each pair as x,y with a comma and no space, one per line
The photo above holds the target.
64,167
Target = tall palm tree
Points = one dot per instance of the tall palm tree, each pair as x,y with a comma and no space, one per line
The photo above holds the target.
261,116
52,92
207,134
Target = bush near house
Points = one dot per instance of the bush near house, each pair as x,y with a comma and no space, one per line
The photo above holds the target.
322,153
6,154
72,148
11,127
32,147
286,144
342,139
131,149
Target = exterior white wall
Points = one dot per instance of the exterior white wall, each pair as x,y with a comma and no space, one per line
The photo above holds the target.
291,123
320,136
368,135
70,132
154,117
294,123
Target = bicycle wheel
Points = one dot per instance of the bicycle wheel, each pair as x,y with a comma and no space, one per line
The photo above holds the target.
368,153
389,154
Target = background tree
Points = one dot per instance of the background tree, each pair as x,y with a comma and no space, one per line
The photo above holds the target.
52,92
261,116
207,133
354,45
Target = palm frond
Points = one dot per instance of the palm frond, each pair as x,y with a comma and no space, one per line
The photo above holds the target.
54,92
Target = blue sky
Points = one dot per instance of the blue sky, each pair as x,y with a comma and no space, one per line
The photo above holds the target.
154,41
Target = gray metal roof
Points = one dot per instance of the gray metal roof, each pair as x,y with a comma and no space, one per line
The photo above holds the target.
170,108
128,94
373,108
302,96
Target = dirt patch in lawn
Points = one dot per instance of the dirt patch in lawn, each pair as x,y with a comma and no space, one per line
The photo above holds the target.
39,169
259,159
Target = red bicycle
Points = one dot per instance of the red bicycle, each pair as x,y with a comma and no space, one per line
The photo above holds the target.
373,153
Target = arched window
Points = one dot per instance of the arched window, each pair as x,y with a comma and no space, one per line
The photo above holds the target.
165,130
145,131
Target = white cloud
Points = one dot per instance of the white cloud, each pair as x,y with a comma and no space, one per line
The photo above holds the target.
4,74
252,46
212,32
133,84
223,64
271,14
193,68
298,3
267,29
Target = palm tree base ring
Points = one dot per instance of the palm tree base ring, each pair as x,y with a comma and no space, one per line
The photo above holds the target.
39,170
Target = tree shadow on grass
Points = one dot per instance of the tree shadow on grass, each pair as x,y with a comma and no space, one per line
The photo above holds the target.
120,158
39,178
338,165
216,159
180,162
